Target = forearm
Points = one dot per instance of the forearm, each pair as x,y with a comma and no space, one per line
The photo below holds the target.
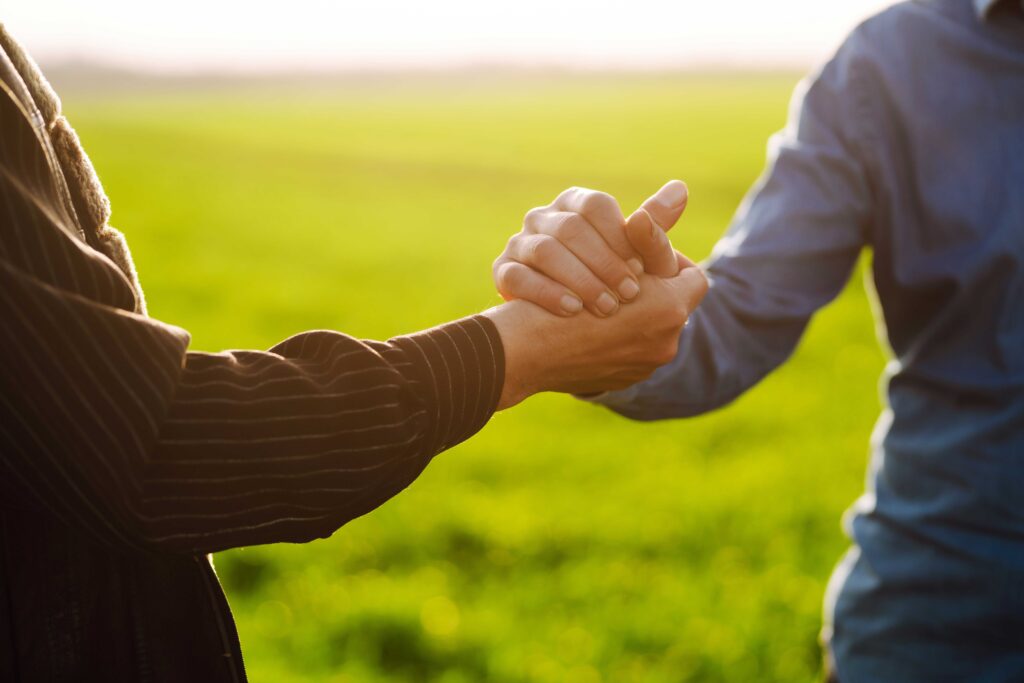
291,444
731,342
109,425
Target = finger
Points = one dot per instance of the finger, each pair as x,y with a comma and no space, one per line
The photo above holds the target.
690,285
667,204
651,242
603,212
516,281
580,237
549,256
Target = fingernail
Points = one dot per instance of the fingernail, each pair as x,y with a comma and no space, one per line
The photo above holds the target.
672,194
636,265
606,303
571,304
628,288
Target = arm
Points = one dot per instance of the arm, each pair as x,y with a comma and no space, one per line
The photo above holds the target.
789,251
108,423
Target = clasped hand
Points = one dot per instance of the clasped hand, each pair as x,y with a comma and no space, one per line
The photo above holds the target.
620,292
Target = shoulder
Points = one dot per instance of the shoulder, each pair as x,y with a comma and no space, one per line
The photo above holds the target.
908,28
890,49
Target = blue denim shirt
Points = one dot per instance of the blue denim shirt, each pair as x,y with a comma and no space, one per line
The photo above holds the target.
909,142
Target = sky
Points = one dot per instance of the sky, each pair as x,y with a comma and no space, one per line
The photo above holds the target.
191,35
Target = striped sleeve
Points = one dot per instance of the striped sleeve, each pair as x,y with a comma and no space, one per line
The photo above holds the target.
290,444
108,423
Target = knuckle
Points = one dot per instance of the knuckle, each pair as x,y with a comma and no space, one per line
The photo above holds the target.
510,246
586,283
509,276
542,248
693,285
596,202
567,193
534,216
610,267
667,352
568,227
700,281
660,348
680,313
703,285
620,244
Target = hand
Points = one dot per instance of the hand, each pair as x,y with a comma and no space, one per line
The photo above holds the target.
579,251
586,354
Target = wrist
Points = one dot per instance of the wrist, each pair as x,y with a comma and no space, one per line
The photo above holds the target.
518,324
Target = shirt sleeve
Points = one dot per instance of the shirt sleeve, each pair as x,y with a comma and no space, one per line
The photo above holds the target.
108,423
290,444
789,251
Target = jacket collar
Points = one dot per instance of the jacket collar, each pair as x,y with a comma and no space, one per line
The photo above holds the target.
14,88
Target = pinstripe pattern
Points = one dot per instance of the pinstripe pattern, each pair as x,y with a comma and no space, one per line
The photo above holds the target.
109,424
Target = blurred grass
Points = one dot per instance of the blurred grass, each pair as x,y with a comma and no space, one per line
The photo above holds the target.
563,543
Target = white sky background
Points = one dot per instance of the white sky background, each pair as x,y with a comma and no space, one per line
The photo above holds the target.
188,35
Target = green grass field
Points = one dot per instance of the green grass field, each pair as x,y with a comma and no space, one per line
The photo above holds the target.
563,543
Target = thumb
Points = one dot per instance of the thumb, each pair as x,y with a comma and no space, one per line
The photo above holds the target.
651,242
647,226
667,204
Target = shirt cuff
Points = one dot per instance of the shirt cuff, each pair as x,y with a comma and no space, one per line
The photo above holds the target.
460,369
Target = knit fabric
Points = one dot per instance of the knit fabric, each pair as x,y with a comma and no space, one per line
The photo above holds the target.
91,204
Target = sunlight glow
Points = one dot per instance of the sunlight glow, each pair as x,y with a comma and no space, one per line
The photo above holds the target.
235,36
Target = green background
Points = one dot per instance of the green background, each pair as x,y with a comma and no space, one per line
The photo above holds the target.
563,543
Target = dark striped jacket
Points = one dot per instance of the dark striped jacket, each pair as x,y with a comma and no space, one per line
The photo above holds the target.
125,458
